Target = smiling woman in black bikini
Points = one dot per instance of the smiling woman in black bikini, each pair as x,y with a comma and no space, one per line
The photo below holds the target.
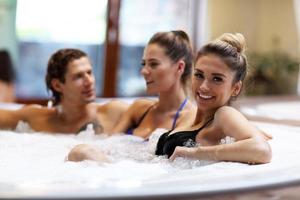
219,72
166,67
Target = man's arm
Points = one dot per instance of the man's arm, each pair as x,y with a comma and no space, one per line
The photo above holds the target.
9,118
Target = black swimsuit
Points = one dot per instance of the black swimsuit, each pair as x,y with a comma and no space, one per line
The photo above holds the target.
167,144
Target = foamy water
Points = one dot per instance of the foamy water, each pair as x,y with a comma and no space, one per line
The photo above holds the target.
33,164
39,158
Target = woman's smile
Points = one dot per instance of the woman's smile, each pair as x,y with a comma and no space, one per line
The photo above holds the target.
203,96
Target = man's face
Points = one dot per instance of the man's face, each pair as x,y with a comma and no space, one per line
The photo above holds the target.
79,86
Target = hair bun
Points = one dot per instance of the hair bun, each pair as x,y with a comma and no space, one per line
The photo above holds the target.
182,34
236,40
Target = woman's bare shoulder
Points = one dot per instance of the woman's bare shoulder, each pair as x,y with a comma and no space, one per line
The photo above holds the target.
142,103
227,117
119,104
227,113
115,105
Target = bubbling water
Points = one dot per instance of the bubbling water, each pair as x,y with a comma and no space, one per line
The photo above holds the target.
128,147
39,159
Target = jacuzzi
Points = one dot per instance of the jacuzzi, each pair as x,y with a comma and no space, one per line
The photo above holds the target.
276,110
33,166
281,109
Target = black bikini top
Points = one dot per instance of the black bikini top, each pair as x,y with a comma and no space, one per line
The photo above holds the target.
130,130
167,144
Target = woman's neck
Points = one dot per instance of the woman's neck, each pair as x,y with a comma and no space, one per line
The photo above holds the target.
203,116
171,100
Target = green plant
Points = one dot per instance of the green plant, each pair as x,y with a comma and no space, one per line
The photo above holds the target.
272,73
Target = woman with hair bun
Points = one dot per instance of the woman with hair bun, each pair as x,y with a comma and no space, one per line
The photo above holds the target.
219,72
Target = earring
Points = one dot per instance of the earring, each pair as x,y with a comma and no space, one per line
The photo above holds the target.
59,109
234,95
49,104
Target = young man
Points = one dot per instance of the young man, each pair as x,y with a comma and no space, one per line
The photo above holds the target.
72,83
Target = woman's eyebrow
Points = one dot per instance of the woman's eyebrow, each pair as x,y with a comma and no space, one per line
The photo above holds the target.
219,74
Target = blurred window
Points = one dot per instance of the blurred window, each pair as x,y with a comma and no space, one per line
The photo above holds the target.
45,26
139,20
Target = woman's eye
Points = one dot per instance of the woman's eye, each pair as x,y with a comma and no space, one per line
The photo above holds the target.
218,79
198,75
153,65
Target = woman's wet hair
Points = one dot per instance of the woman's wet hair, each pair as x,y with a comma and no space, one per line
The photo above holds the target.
230,48
177,46
57,68
6,67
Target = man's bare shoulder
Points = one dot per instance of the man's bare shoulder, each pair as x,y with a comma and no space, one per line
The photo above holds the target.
27,113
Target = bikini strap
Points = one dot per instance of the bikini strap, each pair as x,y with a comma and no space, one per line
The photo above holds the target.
178,112
206,123
144,115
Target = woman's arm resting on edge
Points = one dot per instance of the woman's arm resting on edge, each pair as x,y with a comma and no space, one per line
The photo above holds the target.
251,145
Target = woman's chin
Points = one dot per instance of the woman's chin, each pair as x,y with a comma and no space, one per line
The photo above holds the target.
151,92
90,99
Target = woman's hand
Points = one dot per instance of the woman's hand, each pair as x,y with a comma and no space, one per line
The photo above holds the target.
186,152
86,152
